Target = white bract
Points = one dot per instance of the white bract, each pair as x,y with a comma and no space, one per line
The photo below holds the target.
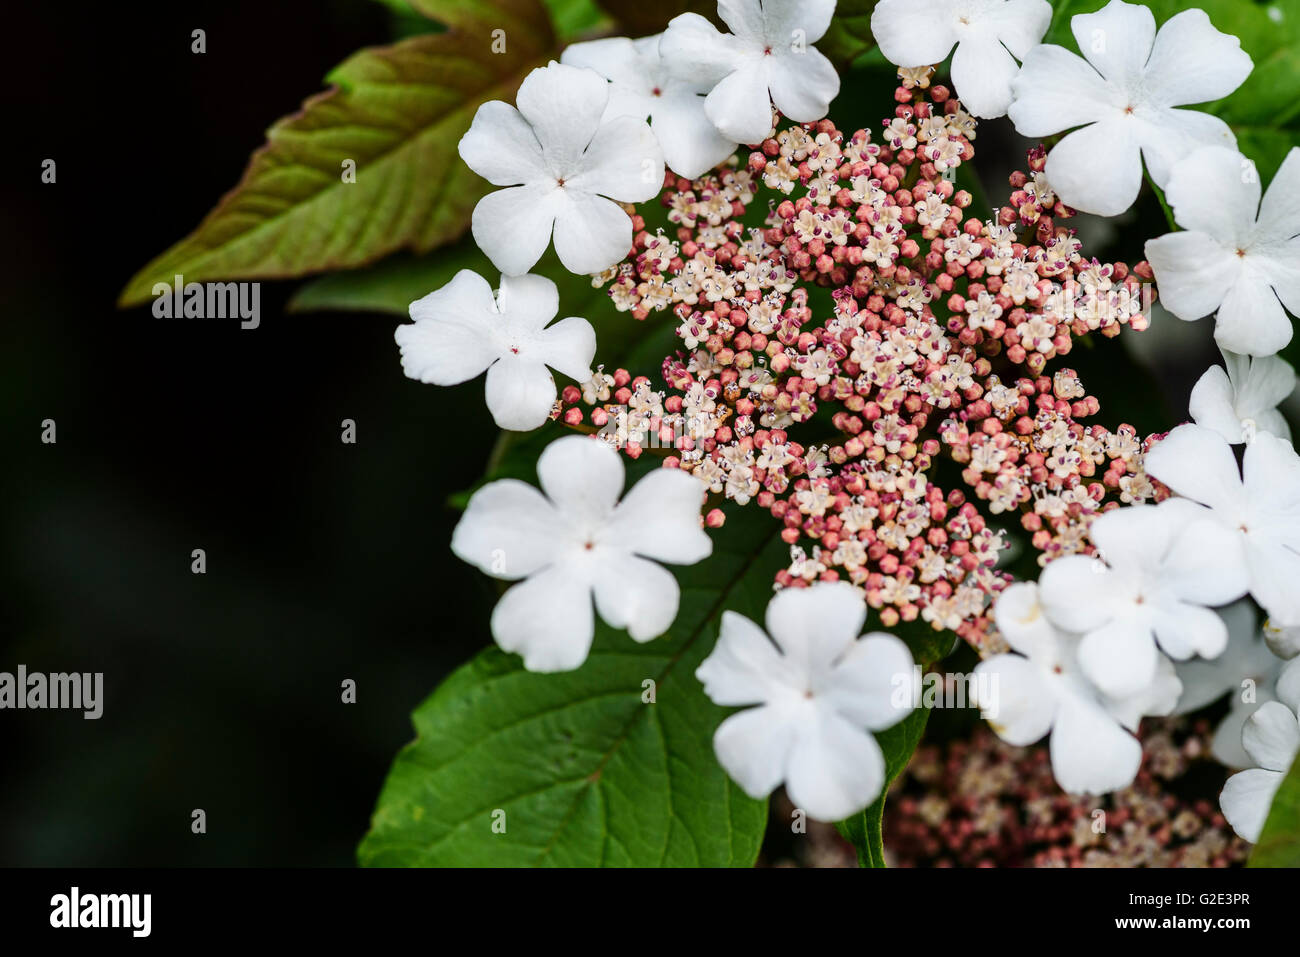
1122,95
767,59
1159,566
1235,255
1043,690
641,85
1242,400
817,690
1247,671
1282,640
1259,505
990,36
1272,739
565,168
462,330
579,542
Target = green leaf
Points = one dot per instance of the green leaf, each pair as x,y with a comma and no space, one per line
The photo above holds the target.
397,112
849,36
585,772
576,18
1279,842
1266,147
863,830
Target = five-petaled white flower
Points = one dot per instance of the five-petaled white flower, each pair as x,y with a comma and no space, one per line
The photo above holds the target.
1122,95
1241,401
990,35
1043,690
641,85
767,58
1162,565
1236,255
461,330
577,542
565,168
1260,505
817,689
1272,738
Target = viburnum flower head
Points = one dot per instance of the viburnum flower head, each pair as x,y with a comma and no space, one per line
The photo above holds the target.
1272,739
1160,566
819,690
641,85
575,541
1122,94
1235,254
990,36
1242,399
567,167
767,58
1259,504
1043,690
462,330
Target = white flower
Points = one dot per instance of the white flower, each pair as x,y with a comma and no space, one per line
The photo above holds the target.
1043,690
767,58
1261,508
816,689
1247,670
641,86
990,36
461,330
1243,400
1123,97
1282,640
1235,254
565,168
1162,565
577,542
1272,738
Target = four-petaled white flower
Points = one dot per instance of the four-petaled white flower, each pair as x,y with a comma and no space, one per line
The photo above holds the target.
816,689
1242,401
461,330
1043,690
577,542
641,85
1236,255
1162,565
1260,505
768,58
1122,95
990,35
1272,739
565,168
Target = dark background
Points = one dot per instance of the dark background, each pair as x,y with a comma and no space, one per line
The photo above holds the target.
325,561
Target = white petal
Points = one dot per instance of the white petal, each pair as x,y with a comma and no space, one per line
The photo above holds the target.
1170,136
1246,799
753,747
982,71
635,594
1288,686
1097,169
692,49
1020,24
1205,681
615,58
1272,736
1251,320
513,226
1193,272
582,476
1077,592
547,619
1283,641
782,18
803,85
528,302
746,18
501,147
1091,753
1274,570
660,518
624,162
1268,380
1184,630
740,107
834,769
1117,40
451,338
591,233
1272,480
864,684
1226,743
913,33
692,144
1056,90
815,625
1191,62
1197,463
564,104
509,530
744,667
1279,214
520,393
1160,698
1195,568
1023,622
568,347
1120,657
1211,404
1210,194
1279,264
1019,706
